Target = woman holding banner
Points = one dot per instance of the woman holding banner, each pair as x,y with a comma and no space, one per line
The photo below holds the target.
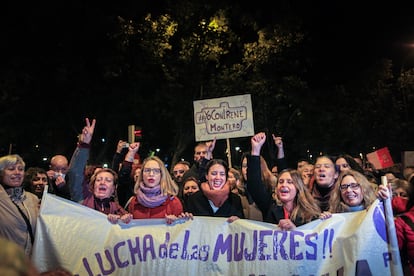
215,198
156,193
294,205
101,188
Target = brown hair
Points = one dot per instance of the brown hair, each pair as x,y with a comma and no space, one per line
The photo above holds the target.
93,177
305,205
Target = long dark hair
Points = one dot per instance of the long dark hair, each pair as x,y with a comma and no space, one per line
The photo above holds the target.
351,162
219,162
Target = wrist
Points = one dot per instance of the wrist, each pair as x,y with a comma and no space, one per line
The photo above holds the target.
83,145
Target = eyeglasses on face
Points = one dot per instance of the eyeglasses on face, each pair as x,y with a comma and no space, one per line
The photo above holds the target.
153,170
354,186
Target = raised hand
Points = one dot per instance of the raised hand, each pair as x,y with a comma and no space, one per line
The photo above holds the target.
257,143
120,146
210,147
132,150
279,144
87,131
278,141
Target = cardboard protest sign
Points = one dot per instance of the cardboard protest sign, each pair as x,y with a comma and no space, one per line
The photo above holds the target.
221,118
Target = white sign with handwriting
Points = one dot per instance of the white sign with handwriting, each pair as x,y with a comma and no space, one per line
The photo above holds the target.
222,118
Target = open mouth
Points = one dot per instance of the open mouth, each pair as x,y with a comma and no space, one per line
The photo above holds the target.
102,188
217,183
284,190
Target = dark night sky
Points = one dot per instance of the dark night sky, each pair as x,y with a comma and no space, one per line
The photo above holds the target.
345,35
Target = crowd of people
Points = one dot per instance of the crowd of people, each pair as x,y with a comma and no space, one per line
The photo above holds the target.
136,189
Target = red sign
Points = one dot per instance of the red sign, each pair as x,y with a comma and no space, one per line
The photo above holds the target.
381,158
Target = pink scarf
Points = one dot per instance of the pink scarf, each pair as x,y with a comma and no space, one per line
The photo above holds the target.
218,197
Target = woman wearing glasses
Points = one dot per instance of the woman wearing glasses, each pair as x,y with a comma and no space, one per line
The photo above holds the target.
352,192
156,193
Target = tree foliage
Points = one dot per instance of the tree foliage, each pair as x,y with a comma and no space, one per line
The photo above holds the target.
145,63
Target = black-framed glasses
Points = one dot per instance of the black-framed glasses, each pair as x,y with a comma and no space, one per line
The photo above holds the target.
354,186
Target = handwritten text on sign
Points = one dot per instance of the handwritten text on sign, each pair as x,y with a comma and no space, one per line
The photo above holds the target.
221,118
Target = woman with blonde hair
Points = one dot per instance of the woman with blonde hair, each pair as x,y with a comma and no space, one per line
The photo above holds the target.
156,193
352,192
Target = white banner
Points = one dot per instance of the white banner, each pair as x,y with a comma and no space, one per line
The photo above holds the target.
83,241
222,118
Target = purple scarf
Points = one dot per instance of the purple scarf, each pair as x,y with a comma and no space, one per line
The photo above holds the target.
150,197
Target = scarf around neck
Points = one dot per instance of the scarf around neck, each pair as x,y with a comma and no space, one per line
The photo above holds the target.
218,197
356,208
16,194
150,197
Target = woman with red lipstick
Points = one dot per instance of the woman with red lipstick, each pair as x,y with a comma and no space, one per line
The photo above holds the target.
294,205
156,193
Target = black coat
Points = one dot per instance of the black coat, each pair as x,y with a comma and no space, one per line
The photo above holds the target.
198,205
